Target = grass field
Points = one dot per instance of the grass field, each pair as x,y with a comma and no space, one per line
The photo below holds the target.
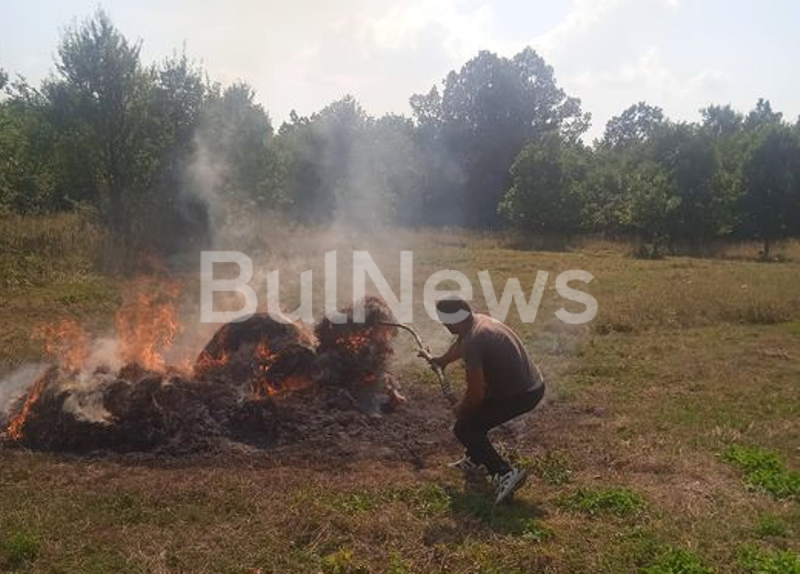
669,442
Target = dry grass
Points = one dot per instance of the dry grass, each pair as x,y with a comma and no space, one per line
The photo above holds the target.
687,357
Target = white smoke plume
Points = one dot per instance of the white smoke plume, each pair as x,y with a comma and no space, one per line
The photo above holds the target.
16,384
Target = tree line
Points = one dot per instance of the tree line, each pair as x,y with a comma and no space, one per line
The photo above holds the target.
155,151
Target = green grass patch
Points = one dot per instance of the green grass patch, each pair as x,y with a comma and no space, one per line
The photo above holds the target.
19,548
354,503
677,561
793,327
549,467
617,501
755,561
764,469
771,526
396,564
516,519
343,561
426,500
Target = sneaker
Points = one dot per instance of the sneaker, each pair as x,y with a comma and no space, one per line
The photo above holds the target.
466,464
506,484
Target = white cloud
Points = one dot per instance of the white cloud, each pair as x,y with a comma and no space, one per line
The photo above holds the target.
648,78
648,74
583,16
464,31
587,16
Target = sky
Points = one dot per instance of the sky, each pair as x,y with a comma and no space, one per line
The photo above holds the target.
301,54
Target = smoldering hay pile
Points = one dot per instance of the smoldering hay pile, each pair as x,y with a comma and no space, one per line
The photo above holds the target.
259,381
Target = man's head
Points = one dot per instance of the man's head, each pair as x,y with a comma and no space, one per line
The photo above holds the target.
454,313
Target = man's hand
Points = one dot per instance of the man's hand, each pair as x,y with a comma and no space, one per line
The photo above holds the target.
452,354
439,362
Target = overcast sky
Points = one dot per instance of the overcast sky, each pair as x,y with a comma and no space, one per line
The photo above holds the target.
303,54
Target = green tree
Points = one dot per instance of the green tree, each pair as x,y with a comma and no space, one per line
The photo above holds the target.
762,116
770,202
721,122
174,216
653,200
236,137
97,103
725,127
691,160
318,152
606,201
383,183
26,150
545,196
634,126
487,112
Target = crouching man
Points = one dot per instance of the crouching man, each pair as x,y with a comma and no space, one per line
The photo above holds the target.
502,383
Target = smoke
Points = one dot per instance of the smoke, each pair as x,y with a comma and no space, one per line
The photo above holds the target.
15,385
202,180
84,401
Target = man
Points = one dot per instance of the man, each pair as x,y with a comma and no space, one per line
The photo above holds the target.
502,383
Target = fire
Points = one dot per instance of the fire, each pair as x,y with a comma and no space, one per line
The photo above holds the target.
287,385
66,341
16,425
356,341
206,361
262,385
147,323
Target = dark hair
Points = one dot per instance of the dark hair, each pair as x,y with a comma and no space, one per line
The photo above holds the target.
452,304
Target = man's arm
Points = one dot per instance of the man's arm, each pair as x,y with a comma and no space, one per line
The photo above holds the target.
474,394
452,354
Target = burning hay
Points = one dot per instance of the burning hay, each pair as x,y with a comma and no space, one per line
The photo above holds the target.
132,410
354,355
242,386
272,356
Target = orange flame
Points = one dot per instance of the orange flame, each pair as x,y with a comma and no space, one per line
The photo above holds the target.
66,341
18,422
206,361
147,322
374,337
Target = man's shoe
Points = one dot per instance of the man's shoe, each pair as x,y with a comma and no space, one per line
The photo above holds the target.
506,484
466,464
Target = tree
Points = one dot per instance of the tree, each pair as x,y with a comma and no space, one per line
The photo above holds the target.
317,153
26,151
762,116
653,199
234,167
691,161
725,127
488,111
606,201
634,126
545,195
383,183
770,202
178,100
721,122
97,104
176,214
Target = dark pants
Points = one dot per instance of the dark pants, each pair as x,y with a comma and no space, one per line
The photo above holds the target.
472,430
